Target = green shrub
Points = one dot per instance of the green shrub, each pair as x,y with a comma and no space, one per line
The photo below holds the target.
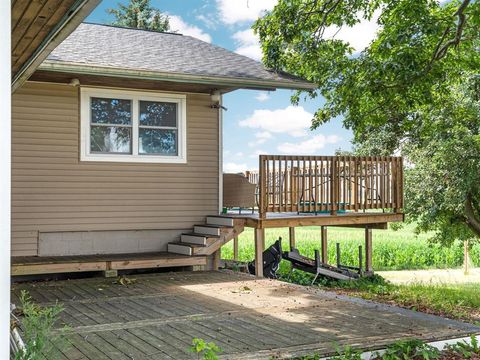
469,350
204,350
37,328
410,349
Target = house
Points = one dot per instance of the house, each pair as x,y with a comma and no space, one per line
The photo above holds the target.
116,153
117,141
116,159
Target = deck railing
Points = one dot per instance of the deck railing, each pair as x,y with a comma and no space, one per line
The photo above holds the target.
317,184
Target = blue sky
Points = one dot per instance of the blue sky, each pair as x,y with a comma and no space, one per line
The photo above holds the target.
256,122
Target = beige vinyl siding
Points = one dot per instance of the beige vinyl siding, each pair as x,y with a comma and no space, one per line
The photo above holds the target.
53,191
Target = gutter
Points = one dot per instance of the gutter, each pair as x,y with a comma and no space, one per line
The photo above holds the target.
55,66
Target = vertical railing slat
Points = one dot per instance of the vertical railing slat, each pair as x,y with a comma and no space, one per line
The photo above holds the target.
328,183
292,186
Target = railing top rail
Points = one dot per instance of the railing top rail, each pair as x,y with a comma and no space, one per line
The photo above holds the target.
324,157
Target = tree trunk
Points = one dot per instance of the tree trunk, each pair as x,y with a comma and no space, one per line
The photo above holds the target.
472,219
466,258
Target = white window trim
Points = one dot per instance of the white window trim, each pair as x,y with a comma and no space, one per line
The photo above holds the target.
135,96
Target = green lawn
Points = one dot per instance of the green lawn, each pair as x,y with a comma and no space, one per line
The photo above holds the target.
455,301
392,250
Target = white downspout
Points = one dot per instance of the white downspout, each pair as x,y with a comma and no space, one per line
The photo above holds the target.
220,156
5,185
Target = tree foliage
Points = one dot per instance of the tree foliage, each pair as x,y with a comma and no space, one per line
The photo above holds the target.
414,89
140,14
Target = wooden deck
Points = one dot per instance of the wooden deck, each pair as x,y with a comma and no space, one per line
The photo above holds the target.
33,265
158,315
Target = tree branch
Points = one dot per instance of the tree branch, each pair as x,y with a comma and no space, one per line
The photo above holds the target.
441,50
326,9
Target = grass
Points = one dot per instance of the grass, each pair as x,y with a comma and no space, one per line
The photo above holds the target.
455,301
392,250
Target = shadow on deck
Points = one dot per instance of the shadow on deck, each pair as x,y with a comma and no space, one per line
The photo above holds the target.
158,316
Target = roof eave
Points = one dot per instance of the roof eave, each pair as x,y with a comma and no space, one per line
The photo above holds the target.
69,22
260,84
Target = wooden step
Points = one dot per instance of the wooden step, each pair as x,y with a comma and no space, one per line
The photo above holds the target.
209,229
185,248
201,239
219,220
179,248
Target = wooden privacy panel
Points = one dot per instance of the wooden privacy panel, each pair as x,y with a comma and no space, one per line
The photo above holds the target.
328,183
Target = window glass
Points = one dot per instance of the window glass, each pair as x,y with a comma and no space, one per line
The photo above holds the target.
157,141
111,126
111,111
161,114
110,139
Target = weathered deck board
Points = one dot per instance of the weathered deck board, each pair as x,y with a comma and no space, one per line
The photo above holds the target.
158,315
31,265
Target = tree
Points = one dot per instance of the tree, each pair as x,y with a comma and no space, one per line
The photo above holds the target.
140,14
414,89
442,187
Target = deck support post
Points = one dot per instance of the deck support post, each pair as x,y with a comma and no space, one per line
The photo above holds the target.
324,245
235,248
291,237
110,273
259,248
217,255
368,251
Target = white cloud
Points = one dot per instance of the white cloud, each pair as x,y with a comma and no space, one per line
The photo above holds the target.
263,135
208,20
247,44
293,120
261,138
231,167
256,153
179,25
262,96
358,36
308,147
239,11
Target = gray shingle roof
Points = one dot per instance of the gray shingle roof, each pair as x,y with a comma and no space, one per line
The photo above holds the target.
95,45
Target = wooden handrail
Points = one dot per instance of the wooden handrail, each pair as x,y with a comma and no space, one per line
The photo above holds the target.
314,184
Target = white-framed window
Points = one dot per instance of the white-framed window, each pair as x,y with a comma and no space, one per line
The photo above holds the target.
132,126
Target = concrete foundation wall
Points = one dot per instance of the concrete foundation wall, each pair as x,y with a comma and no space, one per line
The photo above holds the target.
105,242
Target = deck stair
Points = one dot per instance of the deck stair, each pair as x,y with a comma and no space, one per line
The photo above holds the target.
205,239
